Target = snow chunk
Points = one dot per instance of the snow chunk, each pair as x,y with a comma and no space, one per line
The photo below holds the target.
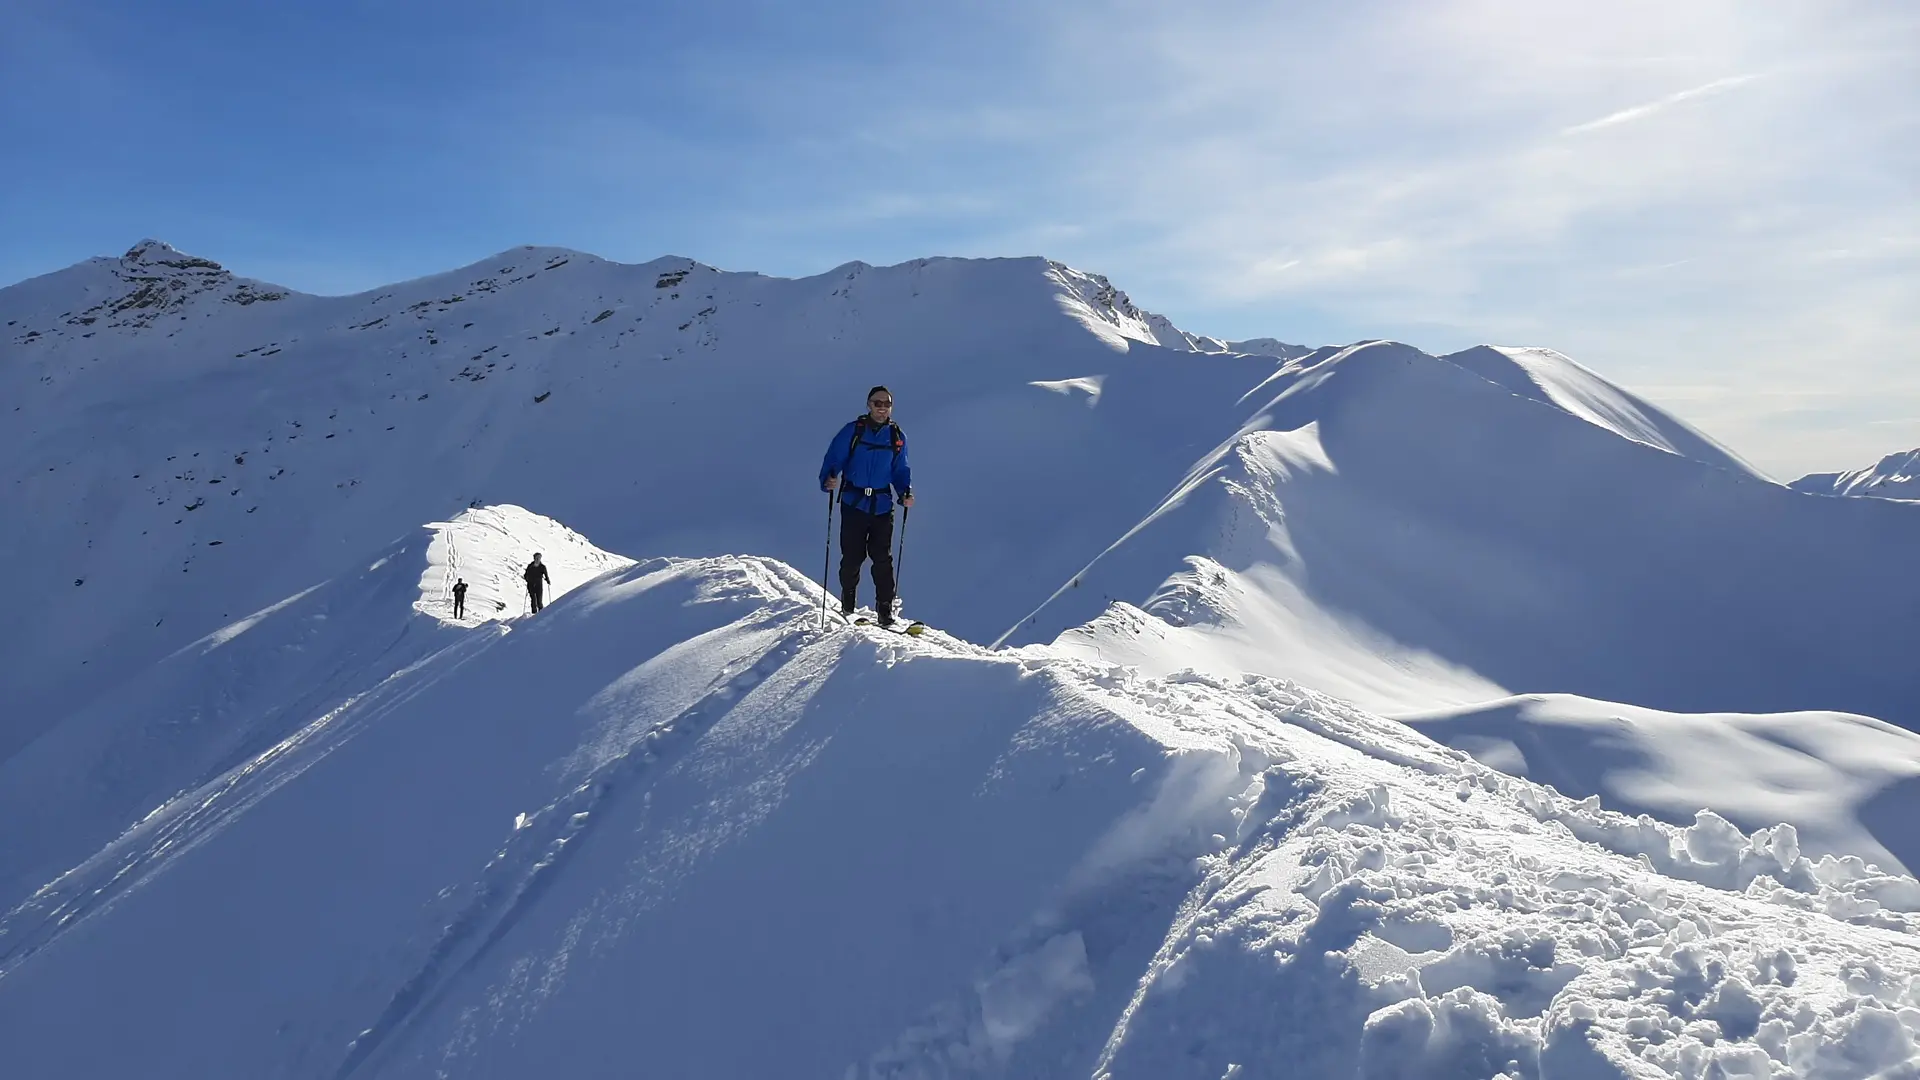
1016,999
1087,384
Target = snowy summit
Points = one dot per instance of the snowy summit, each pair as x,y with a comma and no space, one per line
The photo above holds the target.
1227,755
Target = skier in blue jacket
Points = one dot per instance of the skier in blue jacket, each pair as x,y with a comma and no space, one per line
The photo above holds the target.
867,464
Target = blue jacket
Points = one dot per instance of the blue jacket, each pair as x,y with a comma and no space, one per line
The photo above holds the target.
873,463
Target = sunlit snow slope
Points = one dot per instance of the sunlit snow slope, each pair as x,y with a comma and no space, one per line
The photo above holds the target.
671,827
1405,532
230,696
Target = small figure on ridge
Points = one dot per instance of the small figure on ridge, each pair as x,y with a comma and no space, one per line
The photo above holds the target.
537,576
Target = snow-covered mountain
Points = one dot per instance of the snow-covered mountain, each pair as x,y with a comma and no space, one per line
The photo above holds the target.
182,449
672,810
1409,533
1896,476
1494,521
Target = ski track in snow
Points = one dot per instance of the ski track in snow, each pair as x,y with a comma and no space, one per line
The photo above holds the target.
536,850
538,847
193,817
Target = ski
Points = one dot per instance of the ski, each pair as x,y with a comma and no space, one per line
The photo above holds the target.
911,629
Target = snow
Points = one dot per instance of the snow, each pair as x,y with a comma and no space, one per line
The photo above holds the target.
308,431
1158,796
1087,384
1896,476
489,547
673,812
1553,379
1406,530
1464,538
1847,783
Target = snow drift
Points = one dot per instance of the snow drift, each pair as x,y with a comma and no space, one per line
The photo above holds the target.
1849,784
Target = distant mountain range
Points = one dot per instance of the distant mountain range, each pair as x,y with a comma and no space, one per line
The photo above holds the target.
1896,476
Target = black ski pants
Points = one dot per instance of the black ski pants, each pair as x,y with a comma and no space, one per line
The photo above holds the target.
866,536
533,595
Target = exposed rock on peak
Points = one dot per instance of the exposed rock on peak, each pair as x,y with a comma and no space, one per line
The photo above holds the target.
158,254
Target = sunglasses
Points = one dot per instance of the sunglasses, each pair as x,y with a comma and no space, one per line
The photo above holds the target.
880,403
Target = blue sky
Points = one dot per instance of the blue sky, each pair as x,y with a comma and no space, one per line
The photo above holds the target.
1716,203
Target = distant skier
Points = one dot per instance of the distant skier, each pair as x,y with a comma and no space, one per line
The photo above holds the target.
460,599
537,576
867,464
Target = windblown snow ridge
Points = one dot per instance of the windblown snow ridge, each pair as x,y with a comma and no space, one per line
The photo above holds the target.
1554,379
1412,534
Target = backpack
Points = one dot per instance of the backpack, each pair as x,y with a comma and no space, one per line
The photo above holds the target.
853,445
860,428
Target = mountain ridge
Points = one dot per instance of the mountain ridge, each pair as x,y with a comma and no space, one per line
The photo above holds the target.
1896,476
318,426
309,427
1430,505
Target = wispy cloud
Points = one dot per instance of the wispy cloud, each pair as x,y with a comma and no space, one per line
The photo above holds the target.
1640,112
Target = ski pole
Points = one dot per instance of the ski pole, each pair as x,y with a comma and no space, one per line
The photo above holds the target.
826,562
900,560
